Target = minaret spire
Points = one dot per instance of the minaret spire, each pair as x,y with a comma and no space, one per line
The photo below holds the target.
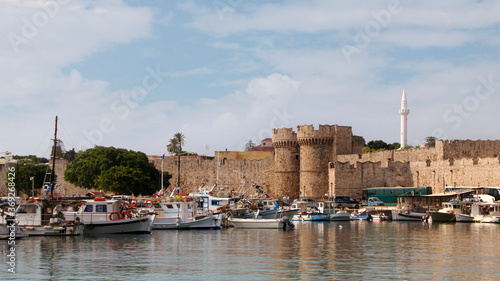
404,111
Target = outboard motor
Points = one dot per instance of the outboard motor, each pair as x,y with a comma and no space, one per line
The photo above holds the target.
286,222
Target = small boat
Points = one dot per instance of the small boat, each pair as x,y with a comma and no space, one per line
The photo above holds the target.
182,214
452,211
328,208
441,216
408,215
36,218
108,216
356,217
281,223
308,213
486,212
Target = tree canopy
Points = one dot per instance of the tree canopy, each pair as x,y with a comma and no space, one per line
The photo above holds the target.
175,145
430,141
380,145
249,145
113,169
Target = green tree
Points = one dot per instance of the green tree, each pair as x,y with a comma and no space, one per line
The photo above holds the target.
175,145
430,141
380,145
32,158
249,145
26,171
70,155
113,169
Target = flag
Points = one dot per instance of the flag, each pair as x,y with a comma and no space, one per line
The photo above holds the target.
163,156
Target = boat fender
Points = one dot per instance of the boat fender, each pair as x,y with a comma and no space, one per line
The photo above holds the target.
114,216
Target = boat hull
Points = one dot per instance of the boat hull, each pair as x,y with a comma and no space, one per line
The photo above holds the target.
464,218
408,216
134,225
442,217
204,223
310,217
340,217
49,230
256,223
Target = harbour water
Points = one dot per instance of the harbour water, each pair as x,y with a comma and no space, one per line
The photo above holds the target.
312,251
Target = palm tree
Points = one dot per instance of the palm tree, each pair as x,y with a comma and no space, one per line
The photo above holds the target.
176,143
175,147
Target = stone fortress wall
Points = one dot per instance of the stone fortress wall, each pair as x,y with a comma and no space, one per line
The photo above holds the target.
457,162
302,157
328,161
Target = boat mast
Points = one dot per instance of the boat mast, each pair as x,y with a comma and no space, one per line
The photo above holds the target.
52,175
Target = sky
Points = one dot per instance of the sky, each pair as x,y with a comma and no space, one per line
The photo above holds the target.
131,74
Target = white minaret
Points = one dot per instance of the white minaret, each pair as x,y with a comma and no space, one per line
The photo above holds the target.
404,111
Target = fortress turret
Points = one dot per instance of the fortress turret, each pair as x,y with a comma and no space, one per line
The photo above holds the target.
316,150
286,164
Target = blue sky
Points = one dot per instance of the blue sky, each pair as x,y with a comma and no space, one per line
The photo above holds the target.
133,73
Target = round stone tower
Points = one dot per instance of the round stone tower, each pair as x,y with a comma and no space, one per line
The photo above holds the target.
316,150
286,163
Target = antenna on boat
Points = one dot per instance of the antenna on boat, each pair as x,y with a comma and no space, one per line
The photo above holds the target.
52,175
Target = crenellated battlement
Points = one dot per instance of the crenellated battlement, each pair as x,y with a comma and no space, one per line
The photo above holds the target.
284,138
469,148
307,134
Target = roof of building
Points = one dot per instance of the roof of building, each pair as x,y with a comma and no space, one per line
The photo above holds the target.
262,148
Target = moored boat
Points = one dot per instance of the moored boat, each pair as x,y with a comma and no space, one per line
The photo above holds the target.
280,223
36,218
486,212
307,212
182,213
328,208
108,216
408,215
452,211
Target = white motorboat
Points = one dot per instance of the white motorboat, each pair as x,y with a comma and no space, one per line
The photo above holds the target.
486,212
36,218
108,216
328,208
308,212
182,214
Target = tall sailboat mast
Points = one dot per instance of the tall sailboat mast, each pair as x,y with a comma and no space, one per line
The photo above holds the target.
52,175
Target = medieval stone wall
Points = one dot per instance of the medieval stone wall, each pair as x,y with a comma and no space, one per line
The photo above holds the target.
197,171
458,162
350,179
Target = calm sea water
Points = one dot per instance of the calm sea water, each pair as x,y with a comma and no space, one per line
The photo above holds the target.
313,251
